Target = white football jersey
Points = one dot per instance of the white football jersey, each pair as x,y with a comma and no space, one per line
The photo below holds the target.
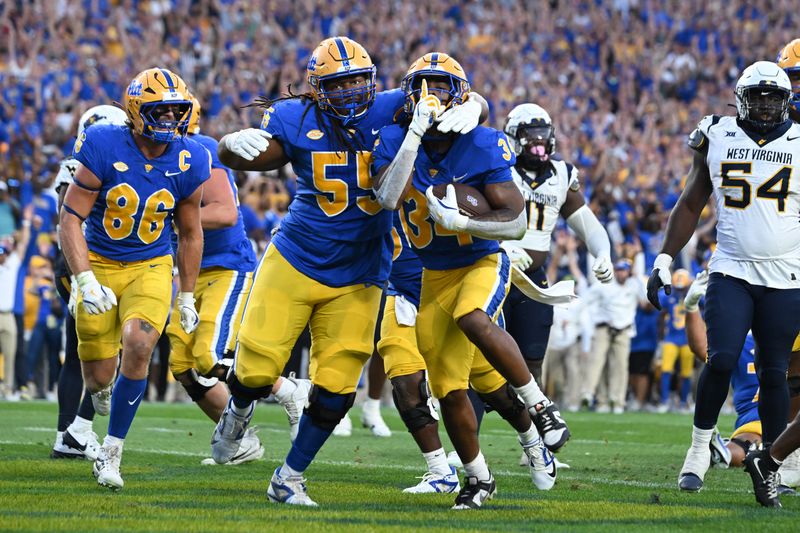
544,195
758,202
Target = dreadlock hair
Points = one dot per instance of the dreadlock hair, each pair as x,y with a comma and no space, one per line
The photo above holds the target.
344,139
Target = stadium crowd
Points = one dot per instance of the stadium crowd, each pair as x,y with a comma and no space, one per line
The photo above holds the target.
625,82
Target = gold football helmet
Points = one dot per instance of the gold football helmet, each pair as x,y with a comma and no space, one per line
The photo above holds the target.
681,278
789,61
151,94
432,65
336,58
194,116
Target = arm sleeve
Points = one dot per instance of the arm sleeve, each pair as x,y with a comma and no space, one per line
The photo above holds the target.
588,228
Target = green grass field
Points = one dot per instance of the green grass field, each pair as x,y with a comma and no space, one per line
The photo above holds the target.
623,475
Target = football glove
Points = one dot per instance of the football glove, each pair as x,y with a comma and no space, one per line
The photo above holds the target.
460,118
425,112
603,270
518,256
660,277
248,143
189,317
696,291
96,298
444,211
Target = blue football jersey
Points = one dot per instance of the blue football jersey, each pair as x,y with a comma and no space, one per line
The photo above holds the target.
336,231
137,195
745,384
675,331
478,158
226,247
406,276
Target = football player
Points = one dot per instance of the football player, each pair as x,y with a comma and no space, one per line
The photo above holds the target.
789,61
551,189
747,428
675,346
199,360
466,276
747,162
328,262
132,182
74,435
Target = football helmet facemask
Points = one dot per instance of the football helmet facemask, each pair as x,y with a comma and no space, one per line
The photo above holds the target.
532,135
341,76
762,96
151,95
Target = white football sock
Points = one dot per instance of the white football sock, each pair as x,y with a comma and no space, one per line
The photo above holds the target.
437,462
701,438
529,438
81,425
477,468
371,406
241,411
531,394
288,471
113,441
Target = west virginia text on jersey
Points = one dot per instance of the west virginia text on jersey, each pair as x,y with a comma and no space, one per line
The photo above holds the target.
478,158
138,195
756,198
334,192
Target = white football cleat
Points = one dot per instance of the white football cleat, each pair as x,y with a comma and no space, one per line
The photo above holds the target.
106,467
85,441
291,490
64,451
250,449
720,454
229,433
374,422
101,400
455,461
295,404
344,428
432,482
542,466
790,470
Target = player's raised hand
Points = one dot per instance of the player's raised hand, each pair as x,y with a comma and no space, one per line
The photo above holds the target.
460,118
425,112
444,211
96,298
189,317
660,277
603,270
696,291
247,143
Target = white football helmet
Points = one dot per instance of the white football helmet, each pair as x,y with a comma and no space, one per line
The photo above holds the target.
543,134
760,79
101,114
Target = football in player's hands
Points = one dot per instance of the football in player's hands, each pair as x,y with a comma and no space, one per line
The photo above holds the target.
471,201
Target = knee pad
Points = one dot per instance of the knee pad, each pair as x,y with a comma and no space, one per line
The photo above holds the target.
326,409
196,385
794,386
507,405
252,394
420,415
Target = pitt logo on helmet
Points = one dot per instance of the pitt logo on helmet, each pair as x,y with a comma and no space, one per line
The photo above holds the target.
342,78
158,104
431,66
